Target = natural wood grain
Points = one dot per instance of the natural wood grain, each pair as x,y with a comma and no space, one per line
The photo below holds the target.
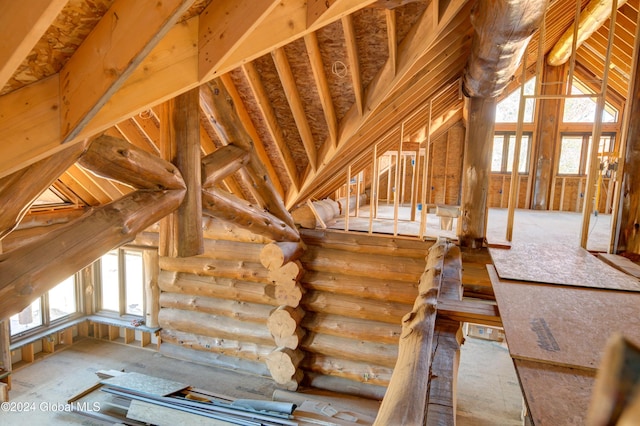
562,264
559,328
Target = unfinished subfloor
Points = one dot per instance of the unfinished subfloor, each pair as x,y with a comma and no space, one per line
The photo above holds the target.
488,392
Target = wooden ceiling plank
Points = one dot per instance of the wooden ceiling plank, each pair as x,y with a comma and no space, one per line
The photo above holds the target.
20,189
285,24
130,131
223,26
148,126
416,44
392,36
88,184
313,49
269,115
125,35
354,62
69,180
317,8
295,103
22,27
246,121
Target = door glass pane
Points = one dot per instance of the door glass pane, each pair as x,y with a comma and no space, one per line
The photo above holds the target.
29,318
110,288
62,299
133,283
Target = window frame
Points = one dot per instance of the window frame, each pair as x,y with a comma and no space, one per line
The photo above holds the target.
122,287
506,134
47,323
584,151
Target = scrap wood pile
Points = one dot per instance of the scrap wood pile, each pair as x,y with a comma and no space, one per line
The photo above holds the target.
138,399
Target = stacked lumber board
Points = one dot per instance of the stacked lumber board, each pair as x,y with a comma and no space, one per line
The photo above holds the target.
138,399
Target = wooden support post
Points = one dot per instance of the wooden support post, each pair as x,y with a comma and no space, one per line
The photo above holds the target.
546,136
27,353
476,170
4,392
129,335
48,344
114,332
407,395
5,344
145,339
151,289
180,144
83,329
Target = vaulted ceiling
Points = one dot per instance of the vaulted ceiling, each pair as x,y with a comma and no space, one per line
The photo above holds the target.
315,84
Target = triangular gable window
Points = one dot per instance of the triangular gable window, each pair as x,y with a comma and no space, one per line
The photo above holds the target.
507,109
583,110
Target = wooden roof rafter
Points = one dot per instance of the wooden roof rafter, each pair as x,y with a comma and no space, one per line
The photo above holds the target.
295,103
414,46
253,79
22,28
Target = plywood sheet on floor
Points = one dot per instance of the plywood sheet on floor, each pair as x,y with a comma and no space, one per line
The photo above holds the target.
556,395
559,264
563,325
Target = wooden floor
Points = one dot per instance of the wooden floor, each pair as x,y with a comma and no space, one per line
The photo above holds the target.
487,388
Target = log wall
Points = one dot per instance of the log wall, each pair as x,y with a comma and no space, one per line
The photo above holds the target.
218,304
358,288
215,307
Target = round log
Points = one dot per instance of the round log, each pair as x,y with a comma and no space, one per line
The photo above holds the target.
342,385
283,364
383,267
348,369
355,350
275,255
363,287
218,287
353,328
245,350
287,275
290,296
291,341
284,320
213,326
355,307
243,311
238,269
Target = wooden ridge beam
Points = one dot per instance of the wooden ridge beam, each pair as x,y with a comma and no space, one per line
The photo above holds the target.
22,27
108,56
295,103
